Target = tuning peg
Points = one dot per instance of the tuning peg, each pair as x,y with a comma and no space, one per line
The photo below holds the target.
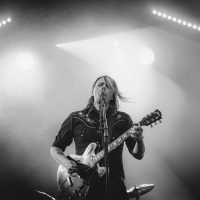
160,121
151,126
155,123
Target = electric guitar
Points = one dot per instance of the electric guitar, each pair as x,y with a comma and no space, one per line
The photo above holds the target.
76,187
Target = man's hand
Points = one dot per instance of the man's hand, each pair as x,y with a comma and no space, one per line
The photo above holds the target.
71,167
138,134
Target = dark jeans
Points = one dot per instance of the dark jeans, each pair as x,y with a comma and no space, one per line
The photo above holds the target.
97,190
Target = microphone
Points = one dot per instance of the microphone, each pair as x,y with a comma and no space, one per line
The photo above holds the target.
103,94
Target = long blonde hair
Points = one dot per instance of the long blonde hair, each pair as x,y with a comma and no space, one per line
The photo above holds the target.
116,93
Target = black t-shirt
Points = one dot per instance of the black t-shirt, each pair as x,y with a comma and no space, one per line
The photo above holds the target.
83,127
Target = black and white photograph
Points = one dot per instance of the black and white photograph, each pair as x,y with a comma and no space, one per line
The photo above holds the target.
99,99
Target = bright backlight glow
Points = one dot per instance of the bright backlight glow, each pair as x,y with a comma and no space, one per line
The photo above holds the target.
146,55
24,61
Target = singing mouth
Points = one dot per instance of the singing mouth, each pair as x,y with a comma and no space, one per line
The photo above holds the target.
100,93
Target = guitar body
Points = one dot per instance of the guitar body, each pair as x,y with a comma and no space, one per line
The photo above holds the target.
75,186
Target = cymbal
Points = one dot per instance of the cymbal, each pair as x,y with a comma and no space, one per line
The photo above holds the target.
39,195
139,190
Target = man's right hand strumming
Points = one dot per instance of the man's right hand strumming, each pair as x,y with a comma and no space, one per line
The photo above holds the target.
71,167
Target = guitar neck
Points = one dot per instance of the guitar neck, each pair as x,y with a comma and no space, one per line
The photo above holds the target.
113,145
146,121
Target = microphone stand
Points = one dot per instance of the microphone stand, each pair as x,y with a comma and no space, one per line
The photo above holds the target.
104,133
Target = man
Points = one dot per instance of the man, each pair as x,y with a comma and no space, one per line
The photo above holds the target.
83,127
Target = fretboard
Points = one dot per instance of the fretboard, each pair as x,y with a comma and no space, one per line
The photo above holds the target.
114,144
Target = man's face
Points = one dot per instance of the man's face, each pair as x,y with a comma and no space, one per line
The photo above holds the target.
103,84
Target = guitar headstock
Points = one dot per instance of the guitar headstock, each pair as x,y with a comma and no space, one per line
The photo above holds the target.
151,118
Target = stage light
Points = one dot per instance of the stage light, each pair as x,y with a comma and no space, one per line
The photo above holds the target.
179,21
154,12
9,20
194,27
146,55
174,19
198,28
169,17
24,61
184,23
4,22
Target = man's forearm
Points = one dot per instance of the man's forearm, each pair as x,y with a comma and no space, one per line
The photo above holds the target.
139,150
58,156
